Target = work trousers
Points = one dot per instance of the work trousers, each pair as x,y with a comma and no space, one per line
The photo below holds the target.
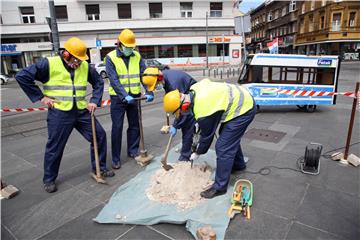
187,129
60,125
228,149
118,110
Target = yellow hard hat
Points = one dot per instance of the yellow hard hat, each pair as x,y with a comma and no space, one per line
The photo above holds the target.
127,38
172,102
150,77
77,48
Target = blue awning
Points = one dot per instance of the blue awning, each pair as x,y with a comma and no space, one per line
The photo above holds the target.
10,53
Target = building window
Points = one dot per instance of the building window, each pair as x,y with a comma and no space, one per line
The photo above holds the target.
322,22
147,52
270,17
303,8
312,6
166,51
276,14
155,10
61,13
283,12
27,14
302,26
92,12
323,3
222,49
311,23
215,9
124,10
352,19
185,51
292,6
186,9
202,50
336,21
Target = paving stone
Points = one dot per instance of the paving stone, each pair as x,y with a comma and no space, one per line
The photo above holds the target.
261,226
175,231
277,196
5,234
332,211
83,227
300,231
49,214
13,164
143,232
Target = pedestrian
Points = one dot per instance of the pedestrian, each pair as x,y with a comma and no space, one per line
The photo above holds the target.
124,67
65,78
171,80
212,103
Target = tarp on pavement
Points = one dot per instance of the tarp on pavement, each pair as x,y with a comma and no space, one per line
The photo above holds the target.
130,205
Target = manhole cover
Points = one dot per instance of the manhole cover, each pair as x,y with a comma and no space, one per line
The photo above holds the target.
264,135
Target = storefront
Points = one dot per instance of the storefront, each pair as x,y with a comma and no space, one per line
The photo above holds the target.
15,57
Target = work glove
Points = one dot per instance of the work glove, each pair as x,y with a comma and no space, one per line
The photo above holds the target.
173,131
149,98
194,156
129,99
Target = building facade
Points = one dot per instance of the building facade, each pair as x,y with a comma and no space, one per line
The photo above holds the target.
329,27
270,20
174,32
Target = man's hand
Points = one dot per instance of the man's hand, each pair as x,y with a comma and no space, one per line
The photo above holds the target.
173,131
129,99
47,101
194,157
91,107
149,98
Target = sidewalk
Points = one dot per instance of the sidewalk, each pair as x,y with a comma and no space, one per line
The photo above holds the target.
287,204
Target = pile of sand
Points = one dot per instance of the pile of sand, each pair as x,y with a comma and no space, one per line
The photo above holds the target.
181,185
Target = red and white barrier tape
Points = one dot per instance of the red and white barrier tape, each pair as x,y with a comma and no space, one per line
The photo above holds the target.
104,103
310,93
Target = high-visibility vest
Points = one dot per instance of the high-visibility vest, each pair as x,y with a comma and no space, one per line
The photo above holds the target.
128,78
62,89
211,97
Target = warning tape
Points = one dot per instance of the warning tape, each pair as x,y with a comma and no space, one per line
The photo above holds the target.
104,103
311,93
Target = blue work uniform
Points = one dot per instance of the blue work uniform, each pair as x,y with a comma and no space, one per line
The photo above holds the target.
175,79
61,123
119,107
229,155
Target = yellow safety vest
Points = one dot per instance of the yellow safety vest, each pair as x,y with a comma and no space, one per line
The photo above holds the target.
211,97
61,87
129,79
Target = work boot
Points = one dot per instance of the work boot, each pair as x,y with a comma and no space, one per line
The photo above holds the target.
211,192
50,187
107,173
116,165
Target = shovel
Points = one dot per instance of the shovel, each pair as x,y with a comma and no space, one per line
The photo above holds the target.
96,176
166,166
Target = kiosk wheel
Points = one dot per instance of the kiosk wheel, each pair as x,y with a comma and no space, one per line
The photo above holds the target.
307,108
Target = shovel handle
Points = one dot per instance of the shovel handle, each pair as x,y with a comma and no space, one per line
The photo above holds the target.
97,162
164,161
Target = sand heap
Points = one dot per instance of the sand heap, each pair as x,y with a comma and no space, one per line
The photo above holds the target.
181,185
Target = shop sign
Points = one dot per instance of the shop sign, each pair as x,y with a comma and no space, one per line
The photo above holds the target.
8,47
235,53
324,62
219,40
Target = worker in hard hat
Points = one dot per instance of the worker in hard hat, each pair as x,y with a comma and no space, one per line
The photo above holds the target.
170,80
124,67
65,78
213,103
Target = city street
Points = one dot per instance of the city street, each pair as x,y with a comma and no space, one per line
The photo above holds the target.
287,204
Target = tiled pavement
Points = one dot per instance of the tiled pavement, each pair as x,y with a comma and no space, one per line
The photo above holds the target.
287,204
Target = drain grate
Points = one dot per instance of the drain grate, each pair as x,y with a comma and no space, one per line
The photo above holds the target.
264,135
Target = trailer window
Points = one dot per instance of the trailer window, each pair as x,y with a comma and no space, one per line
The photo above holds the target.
287,75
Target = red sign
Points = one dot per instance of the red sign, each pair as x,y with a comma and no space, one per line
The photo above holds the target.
235,53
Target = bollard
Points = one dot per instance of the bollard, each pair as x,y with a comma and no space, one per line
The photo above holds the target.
238,71
214,72
221,74
217,72
233,72
227,73
204,72
209,72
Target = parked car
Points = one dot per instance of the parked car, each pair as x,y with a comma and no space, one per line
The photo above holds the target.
156,63
101,69
4,79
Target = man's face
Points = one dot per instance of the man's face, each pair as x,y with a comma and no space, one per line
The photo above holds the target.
74,62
